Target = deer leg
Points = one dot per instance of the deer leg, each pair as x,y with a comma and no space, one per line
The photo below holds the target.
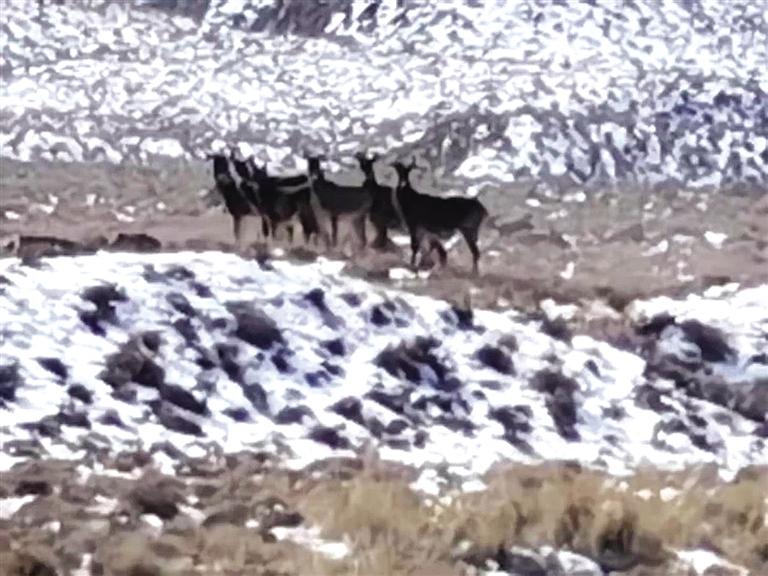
416,236
359,227
380,241
289,231
437,245
471,237
265,228
334,230
306,225
237,229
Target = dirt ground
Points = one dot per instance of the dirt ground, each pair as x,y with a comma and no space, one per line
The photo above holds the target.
534,246
222,516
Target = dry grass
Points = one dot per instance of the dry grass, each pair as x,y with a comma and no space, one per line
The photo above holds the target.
637,521
619,522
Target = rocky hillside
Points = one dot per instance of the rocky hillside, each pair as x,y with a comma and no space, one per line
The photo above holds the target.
178,353
574,93
198,413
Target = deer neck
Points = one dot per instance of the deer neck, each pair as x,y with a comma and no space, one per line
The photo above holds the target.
370,178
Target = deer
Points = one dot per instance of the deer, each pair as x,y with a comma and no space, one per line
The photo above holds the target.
283,198
249,188
236,202
332,203
437,218
382,214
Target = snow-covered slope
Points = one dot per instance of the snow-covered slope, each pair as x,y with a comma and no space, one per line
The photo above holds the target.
492,91
205,352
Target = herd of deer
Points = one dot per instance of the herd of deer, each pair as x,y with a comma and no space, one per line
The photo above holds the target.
320,205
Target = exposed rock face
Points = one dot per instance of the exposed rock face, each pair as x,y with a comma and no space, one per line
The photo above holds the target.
572,94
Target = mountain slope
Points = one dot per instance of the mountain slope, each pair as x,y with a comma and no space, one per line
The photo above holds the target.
487,92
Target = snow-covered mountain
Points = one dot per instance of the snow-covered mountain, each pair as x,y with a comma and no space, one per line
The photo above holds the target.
486,92
191,353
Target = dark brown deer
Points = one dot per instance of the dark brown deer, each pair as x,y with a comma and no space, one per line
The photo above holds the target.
228,186
249,188
333,203
436,217
282,200
383,215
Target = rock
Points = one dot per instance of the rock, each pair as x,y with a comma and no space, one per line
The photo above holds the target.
184,327
711,341
294,415
54,366
509,343
150,374
656,325
254,326
409,357
281,362
461,317
237,414
350,408
136,242
129,461
515,561
556,328
571,564
379,317
234,513
104,298
158,498
133,362
317,378
169,418
330,437
333,369
256,396
496,359
112,418
74,418
34,487
335,346
177,396
10,381
181,304
514,419
278,518
316,297
561,402
227,356
80,392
